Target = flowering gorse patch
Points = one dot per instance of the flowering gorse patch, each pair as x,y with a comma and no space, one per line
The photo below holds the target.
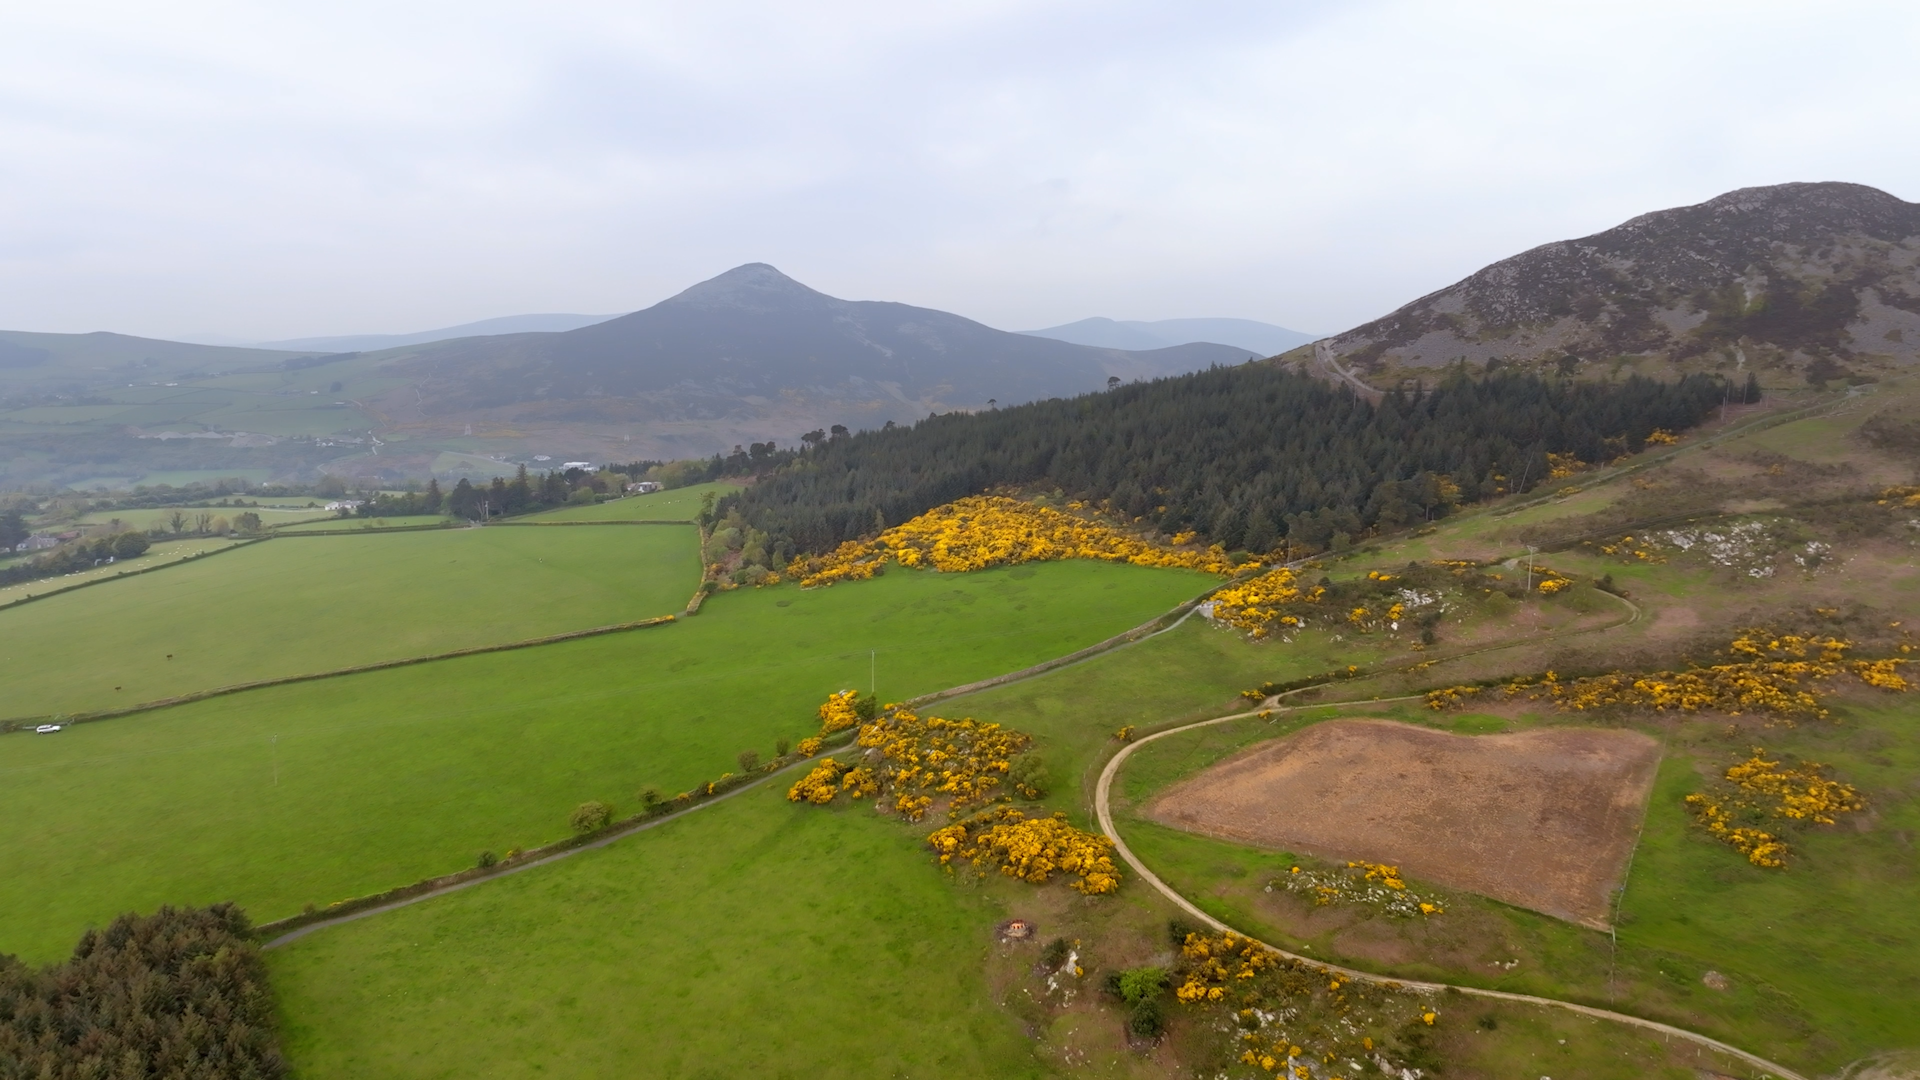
1274,599
1775,673
1030,848
1762,792
909,762
1374,885
983,531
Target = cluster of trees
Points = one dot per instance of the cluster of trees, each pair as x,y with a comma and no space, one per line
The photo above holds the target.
1247,456
526,493
755,459
77,555
182,992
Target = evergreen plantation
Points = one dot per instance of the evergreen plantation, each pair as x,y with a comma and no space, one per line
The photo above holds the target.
1247,456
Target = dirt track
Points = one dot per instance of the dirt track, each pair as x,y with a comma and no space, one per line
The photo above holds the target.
1541,819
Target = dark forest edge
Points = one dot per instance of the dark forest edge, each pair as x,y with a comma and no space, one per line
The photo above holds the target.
1252,457
181,992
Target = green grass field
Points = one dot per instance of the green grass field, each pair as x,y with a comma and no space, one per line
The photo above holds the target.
753,938
287,606
679,504
318,791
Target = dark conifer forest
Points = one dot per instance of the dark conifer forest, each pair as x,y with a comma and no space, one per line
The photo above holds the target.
180,993
1248,456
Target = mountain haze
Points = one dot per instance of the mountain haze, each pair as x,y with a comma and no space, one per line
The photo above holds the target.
551,323
1806,280
753,340
1263,338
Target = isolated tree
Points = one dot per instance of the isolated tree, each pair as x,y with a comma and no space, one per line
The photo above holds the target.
13,529
1113,382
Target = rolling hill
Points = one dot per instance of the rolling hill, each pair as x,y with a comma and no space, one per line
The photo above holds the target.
1812,281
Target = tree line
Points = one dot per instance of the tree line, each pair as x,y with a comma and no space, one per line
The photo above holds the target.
182,992
77,555
1251,457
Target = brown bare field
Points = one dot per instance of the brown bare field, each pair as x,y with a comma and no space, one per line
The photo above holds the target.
1542,819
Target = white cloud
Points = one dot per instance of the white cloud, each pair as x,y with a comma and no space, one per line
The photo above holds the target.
257,170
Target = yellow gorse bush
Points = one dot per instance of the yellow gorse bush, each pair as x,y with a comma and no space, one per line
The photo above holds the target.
1259,604
924,758
1030,848
982,531
1905,498
840,712
911,761
818,786
1760,787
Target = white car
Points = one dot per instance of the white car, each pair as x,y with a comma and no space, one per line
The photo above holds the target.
45,729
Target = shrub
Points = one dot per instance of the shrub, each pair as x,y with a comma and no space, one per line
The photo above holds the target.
1056,953
749,760
486,859
782,748
590,816
1029,776
650,797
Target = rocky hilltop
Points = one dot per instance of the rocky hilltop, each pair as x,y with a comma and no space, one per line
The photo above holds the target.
1803,280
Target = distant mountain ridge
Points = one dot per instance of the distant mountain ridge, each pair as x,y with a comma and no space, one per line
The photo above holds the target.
752,340
551,323
1802,278
1263,338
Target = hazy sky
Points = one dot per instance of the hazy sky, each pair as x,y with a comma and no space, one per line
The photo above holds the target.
259,171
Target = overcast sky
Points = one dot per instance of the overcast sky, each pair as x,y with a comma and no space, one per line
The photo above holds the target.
254,171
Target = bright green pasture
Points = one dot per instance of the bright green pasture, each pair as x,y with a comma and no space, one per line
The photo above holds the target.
679,504
165,551
318,791
754,938
1823,957
333,522
290,606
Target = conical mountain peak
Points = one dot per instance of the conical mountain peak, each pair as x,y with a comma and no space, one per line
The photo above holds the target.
751,287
